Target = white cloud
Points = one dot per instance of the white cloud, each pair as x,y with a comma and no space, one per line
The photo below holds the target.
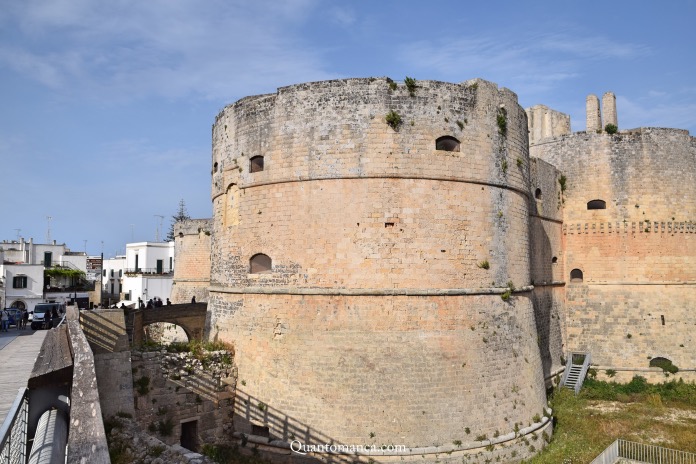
172,48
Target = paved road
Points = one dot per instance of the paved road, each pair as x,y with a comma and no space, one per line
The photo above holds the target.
18,351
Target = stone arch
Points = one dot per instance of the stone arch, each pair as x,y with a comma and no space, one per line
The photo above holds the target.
166,332
260,263
596,204
19,304
190,317
576,276
447,143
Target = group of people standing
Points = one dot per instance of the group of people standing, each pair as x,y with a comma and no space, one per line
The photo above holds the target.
152,303
21,319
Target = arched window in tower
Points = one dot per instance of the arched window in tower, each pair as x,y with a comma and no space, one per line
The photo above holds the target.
576,276
554,260
215,167
537,194
260,263
597,204
447,143
256,164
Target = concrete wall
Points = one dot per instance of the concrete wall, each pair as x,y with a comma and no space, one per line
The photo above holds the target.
377,306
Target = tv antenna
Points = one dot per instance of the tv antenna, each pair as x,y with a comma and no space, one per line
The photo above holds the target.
159,226
48,231
18,231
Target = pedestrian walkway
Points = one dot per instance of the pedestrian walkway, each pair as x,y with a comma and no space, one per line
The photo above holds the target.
18,352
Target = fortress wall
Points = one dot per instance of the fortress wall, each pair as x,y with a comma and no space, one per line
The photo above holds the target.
637,255
547,273
376,307
601,318
192,243
415,370
642,174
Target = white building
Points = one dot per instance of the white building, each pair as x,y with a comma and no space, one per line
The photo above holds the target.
149,271
34,273
113,273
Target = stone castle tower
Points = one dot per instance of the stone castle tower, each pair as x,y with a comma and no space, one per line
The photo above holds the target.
393,267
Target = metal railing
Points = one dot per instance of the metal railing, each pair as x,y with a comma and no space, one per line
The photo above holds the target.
639,452
148,271
13,434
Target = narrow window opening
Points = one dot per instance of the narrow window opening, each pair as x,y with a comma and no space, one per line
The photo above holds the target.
576,275
260,263
447,143
597,204
256,164
215,167
554,260
537,194
662,318
260,431
388,224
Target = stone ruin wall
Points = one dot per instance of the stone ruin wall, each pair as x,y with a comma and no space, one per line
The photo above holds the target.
637,255
378,317
192,267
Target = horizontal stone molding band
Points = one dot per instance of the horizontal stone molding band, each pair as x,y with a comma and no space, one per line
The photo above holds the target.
555,283
368,291
637,283
664,227
449,449
546,218
386,176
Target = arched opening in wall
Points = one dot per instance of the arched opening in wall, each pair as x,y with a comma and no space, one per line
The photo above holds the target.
165,333
554,260
215,167
576,275
260,263
597,204
447,143
256,164
18,304
537,194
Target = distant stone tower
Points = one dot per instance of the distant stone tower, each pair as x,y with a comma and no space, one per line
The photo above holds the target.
594,118
370,263
609,109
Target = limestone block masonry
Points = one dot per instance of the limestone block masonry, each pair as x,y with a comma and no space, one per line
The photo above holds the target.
384,317
192,265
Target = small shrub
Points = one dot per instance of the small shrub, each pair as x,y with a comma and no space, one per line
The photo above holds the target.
481,437
142,385
519,162
392,84
165,427
457,443
665,364
506,295
461,125
262,406
501,120
467,430
393,119
629,335
536,419
562,181
484,264
611,129
504,166
610,372
156,451
410,85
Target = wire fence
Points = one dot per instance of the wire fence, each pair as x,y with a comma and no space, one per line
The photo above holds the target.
13,433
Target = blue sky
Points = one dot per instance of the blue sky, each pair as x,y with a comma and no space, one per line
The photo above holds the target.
106,108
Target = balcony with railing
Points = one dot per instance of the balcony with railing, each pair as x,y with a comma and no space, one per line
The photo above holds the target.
149,271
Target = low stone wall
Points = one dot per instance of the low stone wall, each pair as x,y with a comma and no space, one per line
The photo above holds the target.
172,389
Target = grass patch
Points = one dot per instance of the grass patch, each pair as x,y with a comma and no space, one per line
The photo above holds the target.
658,414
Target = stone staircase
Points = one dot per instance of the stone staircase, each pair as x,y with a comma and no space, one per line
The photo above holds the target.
576,369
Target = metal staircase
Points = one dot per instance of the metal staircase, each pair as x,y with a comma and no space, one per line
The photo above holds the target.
575,371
